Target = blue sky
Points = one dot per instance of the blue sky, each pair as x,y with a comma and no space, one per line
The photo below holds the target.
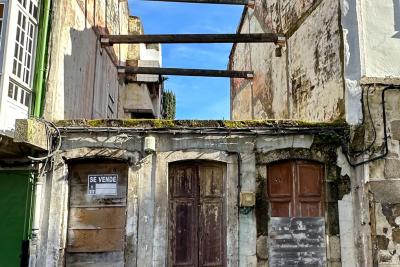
197,97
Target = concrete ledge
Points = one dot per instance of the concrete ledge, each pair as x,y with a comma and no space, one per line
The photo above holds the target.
31,132
221,124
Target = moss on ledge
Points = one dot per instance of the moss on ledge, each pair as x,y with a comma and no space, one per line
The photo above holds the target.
226,124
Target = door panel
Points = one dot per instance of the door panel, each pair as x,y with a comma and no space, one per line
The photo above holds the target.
185,233
183,216
211,239
197,234
280,209
211,181
309,180
295,189
96,221
280,189
310,209
183,182
280,180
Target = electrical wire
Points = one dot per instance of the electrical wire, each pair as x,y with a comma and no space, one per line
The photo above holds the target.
385,134
357,153
50,151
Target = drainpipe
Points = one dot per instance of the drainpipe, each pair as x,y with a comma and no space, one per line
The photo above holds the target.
41,58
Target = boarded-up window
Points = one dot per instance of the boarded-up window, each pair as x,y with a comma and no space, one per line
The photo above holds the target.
97,208
197,235
295,189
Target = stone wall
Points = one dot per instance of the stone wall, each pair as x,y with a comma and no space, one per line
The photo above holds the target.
82,78
384,174
306,81
147,224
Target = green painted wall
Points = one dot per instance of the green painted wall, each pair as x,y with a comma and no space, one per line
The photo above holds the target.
15,214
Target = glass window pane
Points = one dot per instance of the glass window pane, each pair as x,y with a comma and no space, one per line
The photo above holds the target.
10,90
16,89
27,98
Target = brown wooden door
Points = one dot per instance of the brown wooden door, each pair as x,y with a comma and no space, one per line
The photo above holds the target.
96,220
196,236
295,189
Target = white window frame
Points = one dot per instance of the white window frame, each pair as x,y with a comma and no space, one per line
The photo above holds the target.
12,9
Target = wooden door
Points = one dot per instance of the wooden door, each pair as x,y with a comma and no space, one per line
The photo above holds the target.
295,189
97,214
196,236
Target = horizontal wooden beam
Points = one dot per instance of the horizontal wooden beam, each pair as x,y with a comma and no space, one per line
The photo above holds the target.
107,40
186,72
225,2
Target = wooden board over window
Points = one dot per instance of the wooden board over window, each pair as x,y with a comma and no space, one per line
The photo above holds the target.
297,242
197,225
295,189
96,222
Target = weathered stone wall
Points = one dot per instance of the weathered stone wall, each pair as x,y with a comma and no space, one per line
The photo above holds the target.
384,174
147,211
306,82
82,77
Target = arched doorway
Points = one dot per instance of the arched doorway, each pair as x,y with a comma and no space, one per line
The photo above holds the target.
196,214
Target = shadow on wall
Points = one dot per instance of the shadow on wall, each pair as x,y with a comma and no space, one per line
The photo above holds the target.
396,10
353,70
90,77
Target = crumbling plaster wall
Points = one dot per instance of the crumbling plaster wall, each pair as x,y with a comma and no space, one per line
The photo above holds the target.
146,227
81,74
383,175
306,82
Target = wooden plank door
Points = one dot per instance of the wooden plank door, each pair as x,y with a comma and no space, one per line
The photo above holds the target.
96,222
211,231
295,189
183,216
196,235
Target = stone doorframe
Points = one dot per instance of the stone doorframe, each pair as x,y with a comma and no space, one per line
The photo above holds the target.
150,208
331,159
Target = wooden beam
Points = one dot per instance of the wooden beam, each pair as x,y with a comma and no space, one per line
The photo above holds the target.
108,40
225,2
186,72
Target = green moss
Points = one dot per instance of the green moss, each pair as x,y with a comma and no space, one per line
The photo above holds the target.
226,124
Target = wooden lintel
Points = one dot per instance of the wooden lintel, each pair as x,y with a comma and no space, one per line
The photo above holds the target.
225,2
108,40
186,72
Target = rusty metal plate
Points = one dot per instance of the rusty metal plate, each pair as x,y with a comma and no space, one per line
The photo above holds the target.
297,242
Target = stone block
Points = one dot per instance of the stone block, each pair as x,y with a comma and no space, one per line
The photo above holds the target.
31,132
392,168
262,247
261,263
395,129
386,191
334,247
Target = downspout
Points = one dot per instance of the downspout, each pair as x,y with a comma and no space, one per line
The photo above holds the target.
41,58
